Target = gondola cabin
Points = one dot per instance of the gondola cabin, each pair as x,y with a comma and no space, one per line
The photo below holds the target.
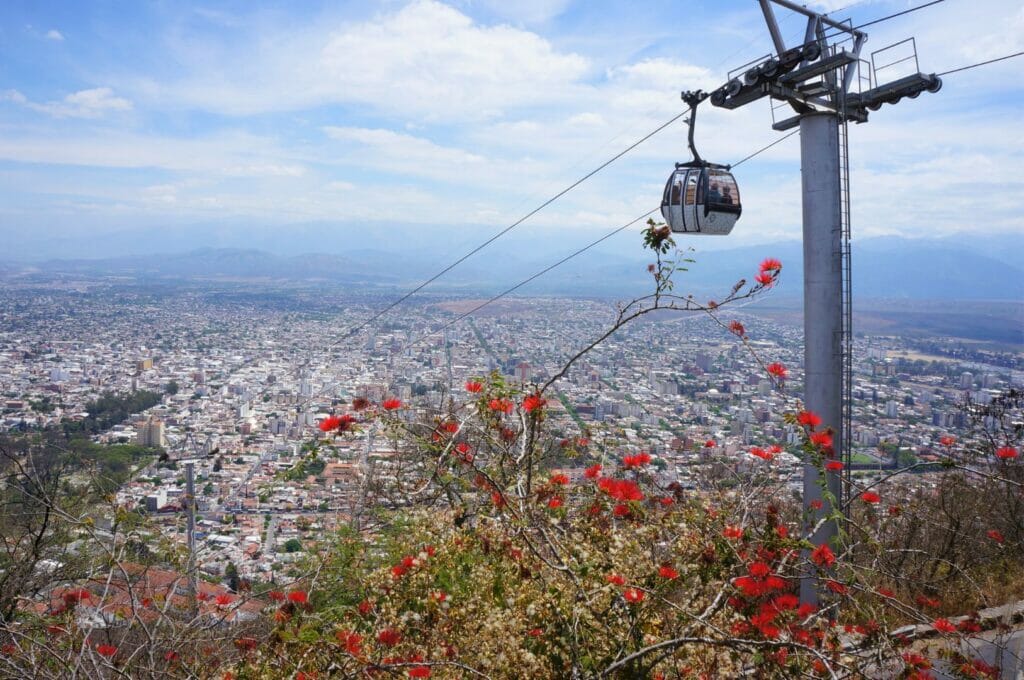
701,199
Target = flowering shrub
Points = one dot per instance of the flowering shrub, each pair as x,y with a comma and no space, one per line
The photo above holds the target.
511,550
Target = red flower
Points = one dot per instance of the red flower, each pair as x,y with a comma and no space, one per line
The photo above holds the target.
223,600
536,632
391,404
764,278
559,479
365,607
330,423
276,595
473,386
996,536
353,642
885,592
782,531
76,595
501,405
1006,453
668,572
389,637
398,571
534,401
636,460
593,472
836,587
809,419
816,504
710,444
450,427
298,597
732,532
106,650
943,626
822,439
419,672
770,264
615,579
171,656
621,510
761,453
870,497
777,369
360,404
497,499
833,465
633,595
621,489
823,556
737,328
555,503
760,569
947,440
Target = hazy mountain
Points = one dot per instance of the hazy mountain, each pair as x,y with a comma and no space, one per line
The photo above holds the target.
893,268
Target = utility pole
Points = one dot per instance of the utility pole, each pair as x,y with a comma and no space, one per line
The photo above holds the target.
190,508
820,81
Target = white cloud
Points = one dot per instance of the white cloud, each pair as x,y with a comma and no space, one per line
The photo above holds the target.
92,103
427,60
54,34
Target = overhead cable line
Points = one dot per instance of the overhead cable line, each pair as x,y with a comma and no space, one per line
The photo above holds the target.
582,250
898,14
510,227
982,63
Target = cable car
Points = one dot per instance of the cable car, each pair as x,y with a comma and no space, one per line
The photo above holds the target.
700,197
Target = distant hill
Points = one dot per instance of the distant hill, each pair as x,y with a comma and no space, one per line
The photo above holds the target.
892,268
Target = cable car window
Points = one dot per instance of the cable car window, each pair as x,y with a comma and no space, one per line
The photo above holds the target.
676,191
723,189
691,189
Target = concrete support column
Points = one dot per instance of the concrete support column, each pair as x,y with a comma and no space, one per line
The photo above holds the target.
823,294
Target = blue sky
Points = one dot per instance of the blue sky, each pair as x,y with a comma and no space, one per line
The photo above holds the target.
141,118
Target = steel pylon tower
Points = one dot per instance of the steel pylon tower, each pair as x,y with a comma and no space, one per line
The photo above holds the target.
821,83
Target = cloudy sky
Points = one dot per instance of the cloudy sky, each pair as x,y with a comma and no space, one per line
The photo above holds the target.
140,118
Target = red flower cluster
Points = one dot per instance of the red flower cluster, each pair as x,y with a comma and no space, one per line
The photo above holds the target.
223,600
760,581
823,556
391,404
732,532
947,440
822,439
943,626
778,370
833,465
474,386
1006,453
593,472
559,479
298,597
501,405
996,536
808,419
621,489
710,444
353,642
769,270
615,579
76,595
761,453
389,637
870,497
668,572
339,423
636,460
633,595
106,650
737,328
533,402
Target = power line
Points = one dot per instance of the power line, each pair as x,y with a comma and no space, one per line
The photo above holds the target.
574,254
512,226
898,14
983,63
